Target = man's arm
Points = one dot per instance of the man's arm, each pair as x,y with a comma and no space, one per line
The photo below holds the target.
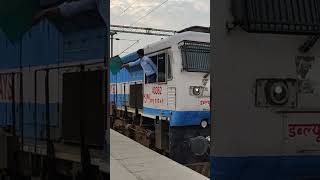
130,64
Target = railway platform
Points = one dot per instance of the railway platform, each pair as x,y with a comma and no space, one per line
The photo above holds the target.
130,160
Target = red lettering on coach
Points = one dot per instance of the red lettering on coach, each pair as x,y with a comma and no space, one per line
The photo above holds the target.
157,90
304,130
205,102
146,97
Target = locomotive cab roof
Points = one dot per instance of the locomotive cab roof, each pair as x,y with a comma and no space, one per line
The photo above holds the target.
196,29
194,33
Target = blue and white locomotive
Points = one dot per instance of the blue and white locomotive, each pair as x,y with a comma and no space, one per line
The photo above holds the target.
173,114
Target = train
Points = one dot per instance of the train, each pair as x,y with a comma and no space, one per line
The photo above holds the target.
53,95
171,115
265,86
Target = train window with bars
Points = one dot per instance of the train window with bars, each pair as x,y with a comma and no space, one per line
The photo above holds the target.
195,56
277,16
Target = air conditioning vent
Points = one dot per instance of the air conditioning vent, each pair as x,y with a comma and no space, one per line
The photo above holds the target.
280,17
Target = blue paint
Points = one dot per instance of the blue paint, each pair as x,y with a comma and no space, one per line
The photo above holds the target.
189,118
45,44
9,58
177,118
119,99
84,45
28,114
130,74
158,112
180,118
130,57
265,168
126,76
42,45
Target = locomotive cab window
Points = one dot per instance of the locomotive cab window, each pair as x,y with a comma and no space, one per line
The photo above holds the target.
161,62
161,68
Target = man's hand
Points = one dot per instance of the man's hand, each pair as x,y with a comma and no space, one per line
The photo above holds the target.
124,66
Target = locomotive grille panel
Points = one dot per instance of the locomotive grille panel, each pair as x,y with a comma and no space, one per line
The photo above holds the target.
195,56
278,16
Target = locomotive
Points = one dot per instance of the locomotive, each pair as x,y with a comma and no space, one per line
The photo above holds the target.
171,115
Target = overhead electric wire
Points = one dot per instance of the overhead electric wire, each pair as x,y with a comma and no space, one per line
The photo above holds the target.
129,47
124,11
152,10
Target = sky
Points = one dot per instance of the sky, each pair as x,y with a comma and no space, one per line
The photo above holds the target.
162,14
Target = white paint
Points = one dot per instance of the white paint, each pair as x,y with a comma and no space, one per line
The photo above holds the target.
239,58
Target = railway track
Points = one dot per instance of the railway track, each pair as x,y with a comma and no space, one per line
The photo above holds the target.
144,136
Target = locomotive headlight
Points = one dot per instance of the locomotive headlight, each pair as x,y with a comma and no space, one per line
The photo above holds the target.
204,123
278,89
278,93
196,91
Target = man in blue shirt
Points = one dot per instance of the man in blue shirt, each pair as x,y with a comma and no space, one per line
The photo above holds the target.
149,68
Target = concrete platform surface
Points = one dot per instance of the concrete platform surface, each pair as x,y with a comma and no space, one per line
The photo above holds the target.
133,161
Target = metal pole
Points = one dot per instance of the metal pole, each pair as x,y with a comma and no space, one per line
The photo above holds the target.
47,108
51,164
21,111
13,104
35,112
111,43
82,131
21,97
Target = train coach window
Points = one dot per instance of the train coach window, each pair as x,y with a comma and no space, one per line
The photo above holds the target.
280,17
